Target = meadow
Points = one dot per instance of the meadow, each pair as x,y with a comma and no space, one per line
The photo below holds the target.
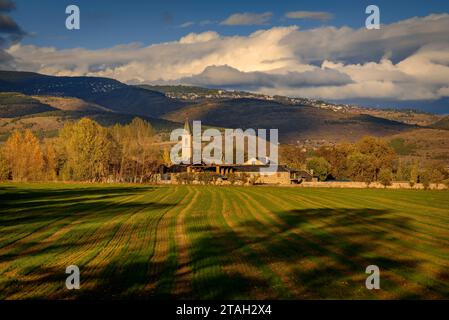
206,242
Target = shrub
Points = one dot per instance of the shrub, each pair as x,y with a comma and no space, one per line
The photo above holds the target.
232,178
185,178
385,177
425,180
319,166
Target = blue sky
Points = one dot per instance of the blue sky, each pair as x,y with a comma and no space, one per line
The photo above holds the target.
107,23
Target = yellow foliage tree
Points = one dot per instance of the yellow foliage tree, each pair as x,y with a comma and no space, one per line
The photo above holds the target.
138,153
50,160
4,167
24,156
380,153
88,151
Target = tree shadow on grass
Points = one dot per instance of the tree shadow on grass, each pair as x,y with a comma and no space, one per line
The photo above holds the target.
91,219
64,210
327,251
43,207
16,198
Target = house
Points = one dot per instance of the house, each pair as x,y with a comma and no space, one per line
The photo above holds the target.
283,175
258,161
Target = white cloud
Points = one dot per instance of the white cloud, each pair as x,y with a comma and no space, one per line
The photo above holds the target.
407,60
444,92
187,24
199,37
246,19
317,15
229,77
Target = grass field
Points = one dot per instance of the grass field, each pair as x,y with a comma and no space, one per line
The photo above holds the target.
222,242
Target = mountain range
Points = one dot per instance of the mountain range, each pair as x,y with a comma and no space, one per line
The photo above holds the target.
43,103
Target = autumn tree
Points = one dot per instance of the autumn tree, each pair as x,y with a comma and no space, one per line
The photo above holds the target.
403,172
89,151
361,167
379,152
337,157
361,161
414,174
165,157
4,167
143,146
292,156
139,156
424,178
84,151
24,156
319,166
51,161
437,174
385,177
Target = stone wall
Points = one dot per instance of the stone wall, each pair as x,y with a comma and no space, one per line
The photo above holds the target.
275,178
279,178
351,184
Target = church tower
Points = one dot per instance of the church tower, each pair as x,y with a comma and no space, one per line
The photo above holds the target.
187,151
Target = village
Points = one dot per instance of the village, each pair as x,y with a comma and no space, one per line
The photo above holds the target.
195,166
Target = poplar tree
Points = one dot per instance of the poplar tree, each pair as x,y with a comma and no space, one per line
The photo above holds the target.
4,167
24,156
88,151
139,157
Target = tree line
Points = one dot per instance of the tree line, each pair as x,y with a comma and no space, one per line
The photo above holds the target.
372,160
86,151
83,151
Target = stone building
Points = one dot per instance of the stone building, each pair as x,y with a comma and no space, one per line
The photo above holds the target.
284,175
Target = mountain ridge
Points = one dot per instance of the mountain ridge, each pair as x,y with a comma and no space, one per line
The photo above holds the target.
105,92
296,118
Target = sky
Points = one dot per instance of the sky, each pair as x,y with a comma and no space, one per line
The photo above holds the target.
315,49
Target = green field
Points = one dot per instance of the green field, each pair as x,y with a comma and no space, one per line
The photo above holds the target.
222,242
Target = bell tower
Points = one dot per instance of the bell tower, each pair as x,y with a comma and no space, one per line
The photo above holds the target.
187,152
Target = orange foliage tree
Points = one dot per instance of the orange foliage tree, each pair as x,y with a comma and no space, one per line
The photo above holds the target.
24,156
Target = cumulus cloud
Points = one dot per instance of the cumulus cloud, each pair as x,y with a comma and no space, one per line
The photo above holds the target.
396,41
228,77
168,61
10,32
247,19
407,60
316,15
199,37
